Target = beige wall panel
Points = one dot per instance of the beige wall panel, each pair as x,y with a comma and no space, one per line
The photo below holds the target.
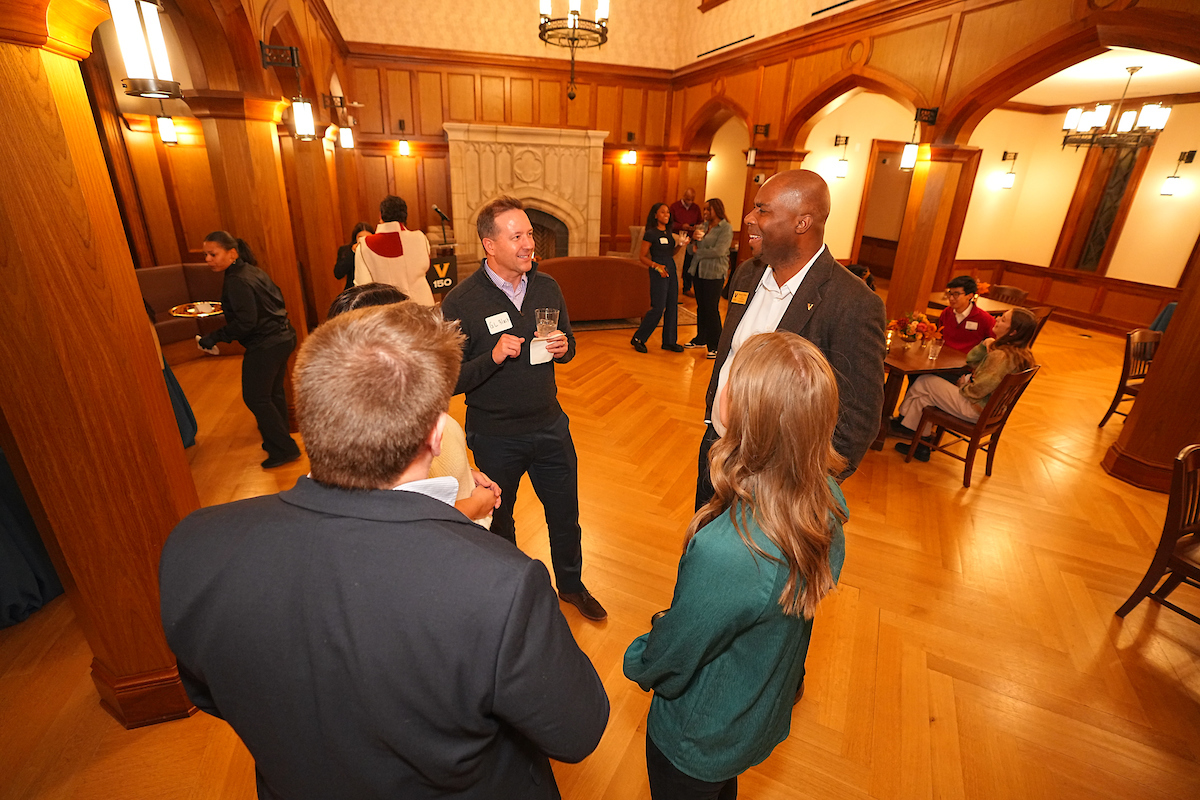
400,106
653,191
990,34
492,93
810,72
370,116
913,55
148,175
404,170
522,101
375,184
429,100
194,194
631,114
550,96
437,192
656,118
579,110
770,102
462,97
606,114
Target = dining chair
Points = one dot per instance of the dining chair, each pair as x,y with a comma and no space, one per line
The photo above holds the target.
1178,553
1140,346
989,426
1007,294
1041,314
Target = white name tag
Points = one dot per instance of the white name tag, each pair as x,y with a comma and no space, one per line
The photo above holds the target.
664,240
972,326
498,322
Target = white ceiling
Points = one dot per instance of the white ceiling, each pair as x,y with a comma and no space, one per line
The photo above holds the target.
1103,77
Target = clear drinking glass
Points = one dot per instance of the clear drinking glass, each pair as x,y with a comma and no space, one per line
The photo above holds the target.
547,321
935,349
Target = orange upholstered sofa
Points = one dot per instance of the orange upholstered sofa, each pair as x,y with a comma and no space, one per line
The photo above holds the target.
600,287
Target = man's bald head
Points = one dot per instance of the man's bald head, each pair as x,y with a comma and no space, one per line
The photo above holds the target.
804,191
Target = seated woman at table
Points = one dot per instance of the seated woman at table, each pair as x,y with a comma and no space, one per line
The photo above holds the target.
726,660
964,324
991,361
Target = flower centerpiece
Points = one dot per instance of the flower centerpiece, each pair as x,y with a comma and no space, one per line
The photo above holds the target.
914,326
982,287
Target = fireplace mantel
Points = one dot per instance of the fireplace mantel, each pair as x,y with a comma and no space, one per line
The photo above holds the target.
555,170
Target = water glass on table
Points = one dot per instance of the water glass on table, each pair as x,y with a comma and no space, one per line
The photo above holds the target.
547,321
935,349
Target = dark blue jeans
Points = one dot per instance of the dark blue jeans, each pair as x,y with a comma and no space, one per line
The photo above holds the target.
668,783
664,305
549,457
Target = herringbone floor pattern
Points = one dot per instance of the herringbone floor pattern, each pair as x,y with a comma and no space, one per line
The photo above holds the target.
970,650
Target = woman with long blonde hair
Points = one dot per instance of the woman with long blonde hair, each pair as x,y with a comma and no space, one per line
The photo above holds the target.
726,660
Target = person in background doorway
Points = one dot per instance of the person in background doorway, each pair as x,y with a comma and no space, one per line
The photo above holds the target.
256,317
686,217
344,268
863,272
394,254
708,266
658,254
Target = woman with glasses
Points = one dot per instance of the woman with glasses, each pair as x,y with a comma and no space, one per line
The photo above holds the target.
963,323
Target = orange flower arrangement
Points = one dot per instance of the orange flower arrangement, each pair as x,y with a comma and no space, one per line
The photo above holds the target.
982,287
915,325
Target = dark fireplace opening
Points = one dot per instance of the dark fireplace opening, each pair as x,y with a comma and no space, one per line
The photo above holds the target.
549,234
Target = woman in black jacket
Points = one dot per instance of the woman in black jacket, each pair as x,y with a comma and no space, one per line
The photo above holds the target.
256,317
344,268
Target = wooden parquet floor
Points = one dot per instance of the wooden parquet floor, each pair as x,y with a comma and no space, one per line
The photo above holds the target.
970,651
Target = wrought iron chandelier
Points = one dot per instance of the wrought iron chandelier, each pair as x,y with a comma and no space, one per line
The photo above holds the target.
1102,127
573,31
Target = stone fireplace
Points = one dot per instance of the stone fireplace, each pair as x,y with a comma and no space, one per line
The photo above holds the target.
553,171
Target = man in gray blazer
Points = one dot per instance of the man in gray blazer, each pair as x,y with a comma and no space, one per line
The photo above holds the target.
792,283
361,636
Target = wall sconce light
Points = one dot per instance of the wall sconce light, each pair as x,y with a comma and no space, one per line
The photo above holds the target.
346,137
166,130
1010,177
143,48
302,113
843,166
333,101
630,156
1171,184
908,159
751,156
708,165
402,147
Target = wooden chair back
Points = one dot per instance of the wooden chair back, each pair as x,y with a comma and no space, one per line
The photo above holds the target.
1007,294
1002,400
1140,347
1042,314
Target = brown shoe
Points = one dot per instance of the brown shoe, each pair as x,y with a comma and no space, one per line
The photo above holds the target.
588,606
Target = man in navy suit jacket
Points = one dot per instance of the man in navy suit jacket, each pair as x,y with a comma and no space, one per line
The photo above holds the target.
361,636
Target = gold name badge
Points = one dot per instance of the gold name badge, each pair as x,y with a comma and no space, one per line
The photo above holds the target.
739,298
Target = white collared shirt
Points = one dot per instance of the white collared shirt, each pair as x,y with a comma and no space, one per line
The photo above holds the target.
513,291
766,309
444,488
965,314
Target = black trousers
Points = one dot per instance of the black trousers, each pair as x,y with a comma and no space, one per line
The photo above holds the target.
704,487
668,783
687,277
263,373
708,312
549,457
664,305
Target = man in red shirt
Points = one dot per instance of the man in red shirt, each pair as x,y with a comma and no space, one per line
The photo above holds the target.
685,218
964,324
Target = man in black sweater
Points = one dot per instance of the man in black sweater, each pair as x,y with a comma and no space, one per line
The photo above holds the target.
514,422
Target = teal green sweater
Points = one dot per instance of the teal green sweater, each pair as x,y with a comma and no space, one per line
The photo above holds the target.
725,662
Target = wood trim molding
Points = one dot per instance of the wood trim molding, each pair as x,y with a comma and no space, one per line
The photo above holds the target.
64,27
320,12
709,5
1182,98
221,104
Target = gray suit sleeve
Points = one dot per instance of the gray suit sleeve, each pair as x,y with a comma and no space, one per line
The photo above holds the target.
856,351
546,687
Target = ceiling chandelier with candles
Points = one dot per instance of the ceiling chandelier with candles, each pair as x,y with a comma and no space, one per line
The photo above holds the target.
1103,127
573,31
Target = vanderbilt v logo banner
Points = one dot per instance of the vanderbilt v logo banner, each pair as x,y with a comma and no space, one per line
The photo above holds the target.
443,274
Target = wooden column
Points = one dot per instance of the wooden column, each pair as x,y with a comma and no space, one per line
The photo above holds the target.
348,193
84,413
933,219
243,152
1165,416
315,208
